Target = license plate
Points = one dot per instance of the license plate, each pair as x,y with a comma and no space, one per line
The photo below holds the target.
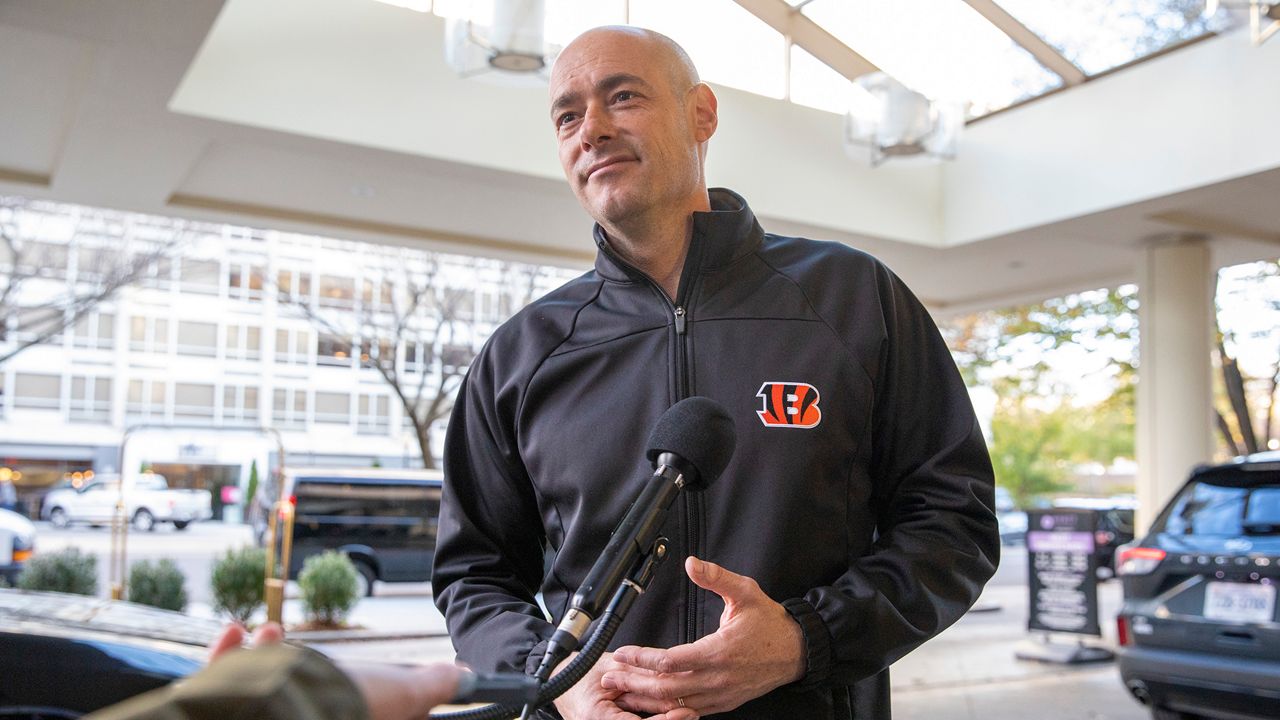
1240,602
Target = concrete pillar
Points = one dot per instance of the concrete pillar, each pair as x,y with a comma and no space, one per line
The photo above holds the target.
1175,322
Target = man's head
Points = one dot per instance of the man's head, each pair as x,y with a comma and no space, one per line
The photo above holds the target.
632,121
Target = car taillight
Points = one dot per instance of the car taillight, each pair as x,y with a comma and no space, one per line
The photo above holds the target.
293,500
21,555
1122,630
1139,560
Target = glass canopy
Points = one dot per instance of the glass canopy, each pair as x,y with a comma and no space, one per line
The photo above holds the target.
989,54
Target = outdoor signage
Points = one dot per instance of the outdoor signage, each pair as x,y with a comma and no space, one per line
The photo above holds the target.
1063,571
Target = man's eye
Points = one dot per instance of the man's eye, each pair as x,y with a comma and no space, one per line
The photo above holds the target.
623,96
565,119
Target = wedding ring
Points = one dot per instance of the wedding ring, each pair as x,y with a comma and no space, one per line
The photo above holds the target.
680,700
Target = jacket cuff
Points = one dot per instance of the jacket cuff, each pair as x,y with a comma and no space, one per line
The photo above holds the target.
817,642
534,659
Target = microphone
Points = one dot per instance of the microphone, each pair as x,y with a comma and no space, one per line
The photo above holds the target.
689,446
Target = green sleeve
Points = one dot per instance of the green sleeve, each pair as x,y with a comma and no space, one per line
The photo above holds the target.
278,682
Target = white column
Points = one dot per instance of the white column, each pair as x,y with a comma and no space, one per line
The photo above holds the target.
1175,321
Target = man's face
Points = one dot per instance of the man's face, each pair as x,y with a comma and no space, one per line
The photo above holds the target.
627,136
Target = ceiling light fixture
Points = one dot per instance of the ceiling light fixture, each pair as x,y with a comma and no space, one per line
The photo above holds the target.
1259,12
501,38
890,120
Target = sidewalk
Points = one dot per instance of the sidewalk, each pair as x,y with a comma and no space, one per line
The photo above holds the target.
968,671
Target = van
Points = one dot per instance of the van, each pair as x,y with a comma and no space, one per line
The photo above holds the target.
383,520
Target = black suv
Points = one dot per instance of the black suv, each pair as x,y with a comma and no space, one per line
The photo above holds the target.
1198,631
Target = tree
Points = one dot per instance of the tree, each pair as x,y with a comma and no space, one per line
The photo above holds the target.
1248,326
1031,357
40,296
417,331
1027,449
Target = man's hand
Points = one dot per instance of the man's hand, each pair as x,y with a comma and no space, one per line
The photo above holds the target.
758,647
589,700
232,637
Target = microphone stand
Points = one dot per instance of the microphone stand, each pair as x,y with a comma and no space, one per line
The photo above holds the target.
634,585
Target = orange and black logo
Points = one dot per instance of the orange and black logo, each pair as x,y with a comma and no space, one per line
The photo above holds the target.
793,405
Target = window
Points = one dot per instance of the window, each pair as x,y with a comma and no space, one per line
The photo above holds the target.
193,401
289,408
244,342
240,404
30,323
159,273
337,291
197,338
43,259
333,350
148,334
371,353
94,261
293,286
37,390
245,281
333,408
377,295
95,330
455,358
90,398
417,357
293,346
199,276
146,399
374,414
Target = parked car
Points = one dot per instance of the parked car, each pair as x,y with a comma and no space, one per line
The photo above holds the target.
17,543
62,656
384,520
1199,634
147,497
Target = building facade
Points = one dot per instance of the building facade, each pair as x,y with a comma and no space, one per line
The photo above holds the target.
230,344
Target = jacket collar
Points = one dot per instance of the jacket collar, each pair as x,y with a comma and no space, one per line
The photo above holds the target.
726,233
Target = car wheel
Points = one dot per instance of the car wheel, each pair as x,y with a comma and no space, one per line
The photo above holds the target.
364,578
144,521
181,524
59,518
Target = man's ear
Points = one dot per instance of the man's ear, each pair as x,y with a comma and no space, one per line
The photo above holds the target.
705,114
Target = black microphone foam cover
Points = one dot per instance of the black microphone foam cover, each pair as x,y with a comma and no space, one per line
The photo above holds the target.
699,430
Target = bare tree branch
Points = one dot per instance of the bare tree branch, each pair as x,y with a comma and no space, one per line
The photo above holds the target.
420,340
107,270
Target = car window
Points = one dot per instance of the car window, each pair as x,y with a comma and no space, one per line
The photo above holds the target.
1206,509
1264,506
354,500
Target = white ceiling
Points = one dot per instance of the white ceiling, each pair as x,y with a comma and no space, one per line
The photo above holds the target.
285,115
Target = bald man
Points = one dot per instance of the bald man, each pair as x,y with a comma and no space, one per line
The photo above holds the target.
856,518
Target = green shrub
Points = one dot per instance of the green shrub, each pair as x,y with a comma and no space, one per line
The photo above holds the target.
158,584
238,582
66,571
329,590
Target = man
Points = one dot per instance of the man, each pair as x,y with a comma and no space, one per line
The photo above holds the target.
855,520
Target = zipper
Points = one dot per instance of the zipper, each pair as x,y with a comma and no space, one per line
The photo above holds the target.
692,501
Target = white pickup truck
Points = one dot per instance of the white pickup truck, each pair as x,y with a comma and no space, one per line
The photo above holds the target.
148,500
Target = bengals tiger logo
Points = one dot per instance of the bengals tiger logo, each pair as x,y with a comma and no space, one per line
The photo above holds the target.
793,405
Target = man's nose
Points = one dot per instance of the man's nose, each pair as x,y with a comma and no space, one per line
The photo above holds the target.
597,127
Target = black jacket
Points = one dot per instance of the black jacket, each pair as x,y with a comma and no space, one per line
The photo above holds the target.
873,526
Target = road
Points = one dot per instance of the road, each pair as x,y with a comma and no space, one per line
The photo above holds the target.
967,673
